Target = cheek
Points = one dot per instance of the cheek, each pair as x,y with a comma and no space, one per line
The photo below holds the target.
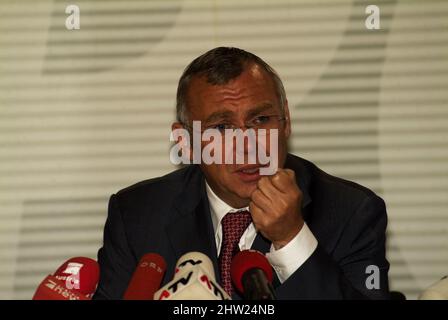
218,172
266,143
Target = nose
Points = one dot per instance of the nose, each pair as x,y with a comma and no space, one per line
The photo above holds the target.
248,151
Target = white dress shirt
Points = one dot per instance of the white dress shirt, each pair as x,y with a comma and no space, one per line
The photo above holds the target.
286,260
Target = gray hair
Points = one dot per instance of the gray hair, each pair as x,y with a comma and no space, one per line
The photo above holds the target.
220,65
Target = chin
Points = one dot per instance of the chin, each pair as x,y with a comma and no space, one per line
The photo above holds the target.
245,190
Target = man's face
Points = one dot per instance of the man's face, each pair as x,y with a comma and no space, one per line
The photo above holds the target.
242,99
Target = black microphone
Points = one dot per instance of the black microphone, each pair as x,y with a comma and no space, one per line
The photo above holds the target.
252,275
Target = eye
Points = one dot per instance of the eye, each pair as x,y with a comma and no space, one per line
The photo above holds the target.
261,120
221,126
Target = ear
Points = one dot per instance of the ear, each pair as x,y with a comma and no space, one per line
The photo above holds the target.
183,140
287,121
177,125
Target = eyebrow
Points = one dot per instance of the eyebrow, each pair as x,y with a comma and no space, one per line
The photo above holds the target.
259,109
220,115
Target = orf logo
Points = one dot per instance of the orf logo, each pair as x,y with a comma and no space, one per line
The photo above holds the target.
73,280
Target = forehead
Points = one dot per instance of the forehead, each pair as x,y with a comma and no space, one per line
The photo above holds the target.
254,87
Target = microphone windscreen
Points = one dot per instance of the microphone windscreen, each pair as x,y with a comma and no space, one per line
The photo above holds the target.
79,274
196,258
53,289
246,260
191,283
146,278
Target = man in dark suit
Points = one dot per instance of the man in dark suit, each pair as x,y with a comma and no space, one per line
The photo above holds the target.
324,236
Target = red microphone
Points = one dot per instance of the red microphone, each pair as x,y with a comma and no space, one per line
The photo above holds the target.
146,278
252,275
80,274
54,289
75,279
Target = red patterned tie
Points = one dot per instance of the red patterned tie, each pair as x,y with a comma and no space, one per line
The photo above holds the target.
233,226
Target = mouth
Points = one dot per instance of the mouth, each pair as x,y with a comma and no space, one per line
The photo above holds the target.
249,173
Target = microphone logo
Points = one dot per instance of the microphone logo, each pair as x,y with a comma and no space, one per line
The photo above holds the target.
51,284
73,280
151,265
60,290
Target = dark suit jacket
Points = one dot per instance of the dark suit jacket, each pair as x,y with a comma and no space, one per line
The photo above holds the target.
170,215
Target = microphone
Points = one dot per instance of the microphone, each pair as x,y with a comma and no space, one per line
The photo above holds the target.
53,289
438,291
146,278
252,275
75,279
194,279
195,258
77,269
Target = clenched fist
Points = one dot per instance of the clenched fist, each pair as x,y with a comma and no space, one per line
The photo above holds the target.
276,207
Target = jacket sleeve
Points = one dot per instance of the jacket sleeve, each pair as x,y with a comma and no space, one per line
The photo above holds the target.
115,258
345,274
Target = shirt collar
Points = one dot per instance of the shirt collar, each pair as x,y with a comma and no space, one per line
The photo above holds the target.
218,208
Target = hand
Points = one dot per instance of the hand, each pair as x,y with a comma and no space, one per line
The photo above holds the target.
276,207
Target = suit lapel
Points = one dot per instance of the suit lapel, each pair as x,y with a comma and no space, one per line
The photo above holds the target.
303,179
191,228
